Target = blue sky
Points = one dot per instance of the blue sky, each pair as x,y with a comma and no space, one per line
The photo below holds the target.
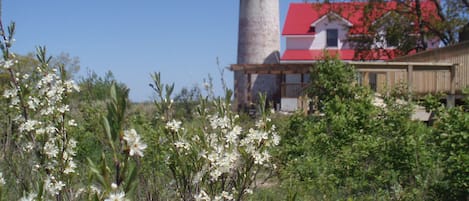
180,39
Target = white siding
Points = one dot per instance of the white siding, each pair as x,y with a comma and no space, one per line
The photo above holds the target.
300,43
318,42
322,26
289,104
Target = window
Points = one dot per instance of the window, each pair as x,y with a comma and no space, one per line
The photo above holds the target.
392,39
332,37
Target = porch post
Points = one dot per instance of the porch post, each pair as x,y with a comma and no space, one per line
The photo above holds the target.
410,75
451,98
388,82
249,89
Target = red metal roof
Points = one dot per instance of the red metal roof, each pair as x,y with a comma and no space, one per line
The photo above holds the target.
344,54
301,15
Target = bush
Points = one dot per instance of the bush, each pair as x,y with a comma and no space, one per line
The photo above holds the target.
355,150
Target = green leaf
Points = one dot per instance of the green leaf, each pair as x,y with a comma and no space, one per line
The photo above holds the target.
96,173
113,93
131,178
107,130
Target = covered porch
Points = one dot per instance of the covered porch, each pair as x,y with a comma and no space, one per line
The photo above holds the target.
420,78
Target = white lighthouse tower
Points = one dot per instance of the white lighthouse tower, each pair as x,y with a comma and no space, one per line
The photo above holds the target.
258,43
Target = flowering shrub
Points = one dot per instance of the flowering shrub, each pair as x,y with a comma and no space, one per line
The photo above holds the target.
213,159
43,163
216,158
354,150
118,179
38,148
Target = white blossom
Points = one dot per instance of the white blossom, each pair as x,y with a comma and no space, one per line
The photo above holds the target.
47,111
219,122
53,186
130,135
72,122
136,146
51,130
28,147
2,180
7,64
28,125
10,93
233,135
202,196
71,86
62,109
33,103
227,195
114,186
182,144
50,149
71,146
117,196
173,125
14,102
95,189
275,139
70,167
261,158
198,176
248,191
30,197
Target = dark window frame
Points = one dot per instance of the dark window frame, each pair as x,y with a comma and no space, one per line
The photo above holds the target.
332,38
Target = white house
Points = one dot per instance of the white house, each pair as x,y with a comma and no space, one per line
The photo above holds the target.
313,30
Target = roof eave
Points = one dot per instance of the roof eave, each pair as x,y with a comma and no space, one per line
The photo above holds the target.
348,23
299,35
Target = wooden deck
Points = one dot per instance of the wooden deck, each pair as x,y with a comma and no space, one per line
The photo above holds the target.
455,54
419,77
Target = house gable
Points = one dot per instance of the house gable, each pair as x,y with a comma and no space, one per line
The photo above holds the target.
313,26
332,16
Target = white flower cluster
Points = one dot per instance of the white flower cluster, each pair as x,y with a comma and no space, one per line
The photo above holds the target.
256,138
134,143
226,140
116,196
41,107
224,155
51,92
224,196
173,125
8,63
202,196
53,186
182,144
2,180
29,197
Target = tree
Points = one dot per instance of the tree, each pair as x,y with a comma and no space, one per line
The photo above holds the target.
70,64
331,79
414,22
94,87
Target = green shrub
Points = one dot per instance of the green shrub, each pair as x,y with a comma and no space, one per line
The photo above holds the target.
353,149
